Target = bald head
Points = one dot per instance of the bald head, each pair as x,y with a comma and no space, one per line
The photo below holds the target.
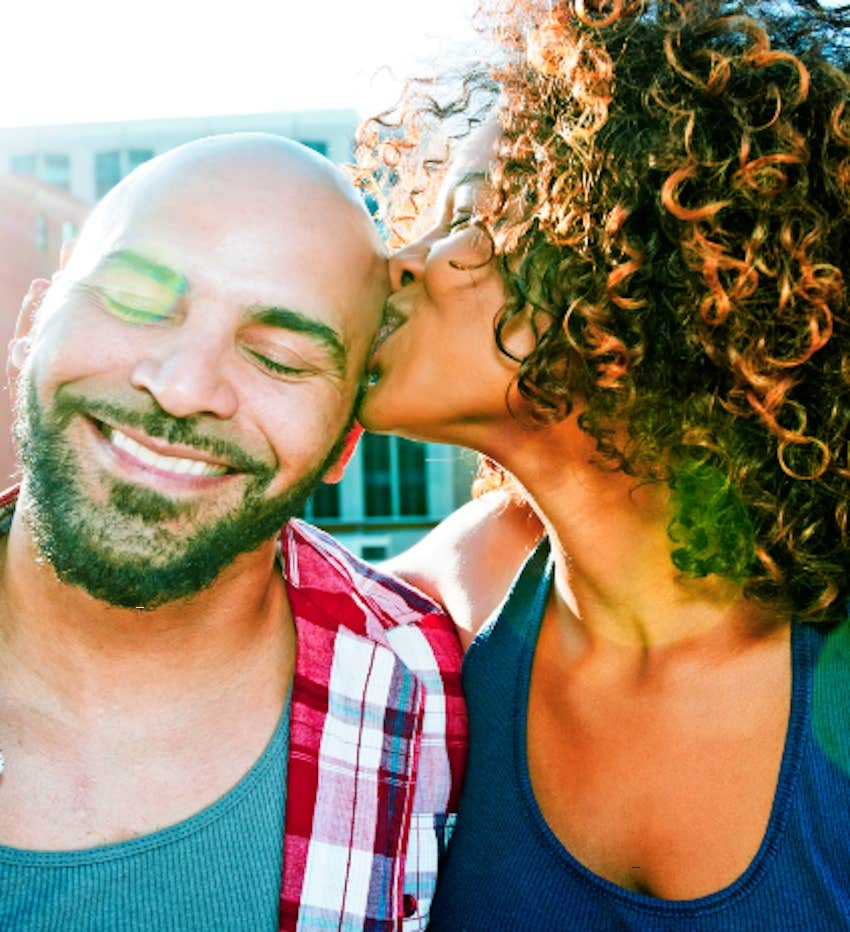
245,194
250,218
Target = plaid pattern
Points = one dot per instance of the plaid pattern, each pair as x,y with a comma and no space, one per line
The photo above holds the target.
377,744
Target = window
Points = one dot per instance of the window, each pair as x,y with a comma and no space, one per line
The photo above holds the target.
107,171
54,168
137,157
394,477
315,144
411,476
69,231
24,164
41,232
57,171
324,502
111,166
377,475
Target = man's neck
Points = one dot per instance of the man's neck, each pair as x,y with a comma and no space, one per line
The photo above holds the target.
85,653
130,721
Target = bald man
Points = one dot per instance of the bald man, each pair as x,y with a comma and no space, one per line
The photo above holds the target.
208,722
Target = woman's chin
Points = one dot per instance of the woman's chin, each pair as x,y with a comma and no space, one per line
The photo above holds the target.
381,409
385,411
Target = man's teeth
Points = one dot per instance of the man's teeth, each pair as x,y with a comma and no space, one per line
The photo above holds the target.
175,464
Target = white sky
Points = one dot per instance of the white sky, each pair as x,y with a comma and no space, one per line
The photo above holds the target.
92,60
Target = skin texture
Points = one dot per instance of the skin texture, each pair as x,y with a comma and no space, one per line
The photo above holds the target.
105,709
627,647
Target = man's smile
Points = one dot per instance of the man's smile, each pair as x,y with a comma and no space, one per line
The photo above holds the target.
175,464
152,454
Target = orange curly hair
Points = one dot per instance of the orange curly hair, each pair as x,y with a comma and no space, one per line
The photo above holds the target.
672,189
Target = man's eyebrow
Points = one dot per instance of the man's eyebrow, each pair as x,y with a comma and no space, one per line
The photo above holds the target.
140,264
299,323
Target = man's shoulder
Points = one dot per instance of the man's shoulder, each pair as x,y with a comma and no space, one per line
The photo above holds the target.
328,579
10,495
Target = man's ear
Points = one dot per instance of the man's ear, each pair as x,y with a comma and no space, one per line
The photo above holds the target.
19,344
349,445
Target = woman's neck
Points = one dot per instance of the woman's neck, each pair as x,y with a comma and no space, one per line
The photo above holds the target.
615,579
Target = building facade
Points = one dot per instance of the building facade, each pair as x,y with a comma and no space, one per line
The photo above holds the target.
87,159
394,490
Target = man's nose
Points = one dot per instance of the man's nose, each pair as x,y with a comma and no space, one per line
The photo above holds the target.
186,377
408,265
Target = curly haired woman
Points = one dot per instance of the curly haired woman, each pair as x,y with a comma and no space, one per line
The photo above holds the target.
633,299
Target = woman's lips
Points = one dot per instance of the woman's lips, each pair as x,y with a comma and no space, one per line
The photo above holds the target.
390,322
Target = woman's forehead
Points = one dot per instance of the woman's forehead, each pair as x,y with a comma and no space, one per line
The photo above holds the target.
472,160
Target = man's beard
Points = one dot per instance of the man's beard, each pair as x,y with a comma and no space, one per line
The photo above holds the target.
118,551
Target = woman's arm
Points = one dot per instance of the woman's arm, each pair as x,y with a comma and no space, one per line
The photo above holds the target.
470,559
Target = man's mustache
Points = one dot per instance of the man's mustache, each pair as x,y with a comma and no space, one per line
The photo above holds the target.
156,422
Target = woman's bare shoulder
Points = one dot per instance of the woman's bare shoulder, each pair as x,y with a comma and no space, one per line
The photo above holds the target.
470,559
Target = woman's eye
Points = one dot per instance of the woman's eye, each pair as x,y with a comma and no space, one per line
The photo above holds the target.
459,220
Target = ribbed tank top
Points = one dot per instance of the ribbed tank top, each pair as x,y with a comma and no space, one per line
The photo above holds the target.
219,869
506,870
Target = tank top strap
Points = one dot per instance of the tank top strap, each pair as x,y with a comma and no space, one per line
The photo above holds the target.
512,629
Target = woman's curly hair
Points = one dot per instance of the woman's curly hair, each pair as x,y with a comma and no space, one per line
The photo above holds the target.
672,207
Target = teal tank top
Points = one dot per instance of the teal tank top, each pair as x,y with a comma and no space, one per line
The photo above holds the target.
505,871
218,870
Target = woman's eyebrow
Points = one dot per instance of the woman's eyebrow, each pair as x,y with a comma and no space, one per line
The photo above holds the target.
469,178
296,322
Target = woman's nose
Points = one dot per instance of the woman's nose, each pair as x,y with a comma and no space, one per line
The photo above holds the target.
407,265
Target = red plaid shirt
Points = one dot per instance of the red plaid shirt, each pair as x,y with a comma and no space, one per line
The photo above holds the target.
377,743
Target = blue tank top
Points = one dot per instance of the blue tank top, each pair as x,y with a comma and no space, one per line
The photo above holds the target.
506,870
219,869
